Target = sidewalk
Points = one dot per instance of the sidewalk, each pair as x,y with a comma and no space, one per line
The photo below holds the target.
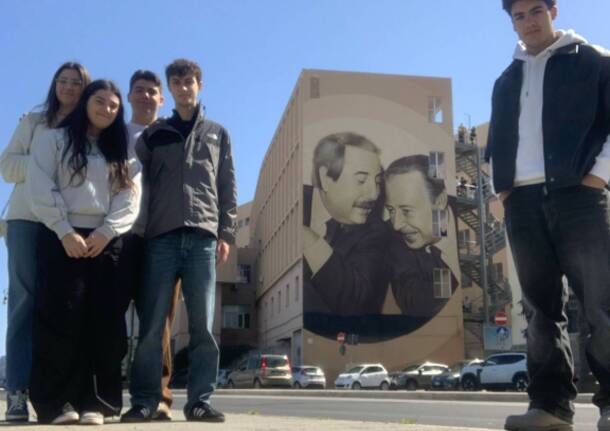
242,422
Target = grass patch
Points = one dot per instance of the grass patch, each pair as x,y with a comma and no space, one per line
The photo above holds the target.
253,412
407,421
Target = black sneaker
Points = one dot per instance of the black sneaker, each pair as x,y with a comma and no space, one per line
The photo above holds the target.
137,414
203,412
17,406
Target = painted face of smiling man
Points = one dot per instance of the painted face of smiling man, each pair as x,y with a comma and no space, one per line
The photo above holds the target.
349,180
411,200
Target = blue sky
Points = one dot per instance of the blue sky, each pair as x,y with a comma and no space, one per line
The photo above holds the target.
252,52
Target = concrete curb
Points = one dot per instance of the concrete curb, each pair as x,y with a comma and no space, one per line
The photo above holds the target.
480,396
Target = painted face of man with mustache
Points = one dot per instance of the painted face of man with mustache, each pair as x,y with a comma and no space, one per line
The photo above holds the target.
351,198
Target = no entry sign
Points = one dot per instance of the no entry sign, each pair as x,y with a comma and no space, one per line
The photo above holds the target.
501,318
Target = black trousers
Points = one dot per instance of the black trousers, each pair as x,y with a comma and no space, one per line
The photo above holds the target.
79,334
556,233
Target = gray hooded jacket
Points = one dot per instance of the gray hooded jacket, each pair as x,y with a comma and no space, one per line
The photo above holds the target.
188,182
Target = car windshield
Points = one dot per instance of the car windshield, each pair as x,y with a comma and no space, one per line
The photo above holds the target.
411,368
310,371
355,370
276,362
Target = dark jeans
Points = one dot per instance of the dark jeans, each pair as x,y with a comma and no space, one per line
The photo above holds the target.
132,267
556,233
189,255
79,335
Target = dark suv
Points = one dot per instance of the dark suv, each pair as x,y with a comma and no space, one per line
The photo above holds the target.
260,371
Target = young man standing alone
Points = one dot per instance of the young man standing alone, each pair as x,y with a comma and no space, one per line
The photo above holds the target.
191,209
550,154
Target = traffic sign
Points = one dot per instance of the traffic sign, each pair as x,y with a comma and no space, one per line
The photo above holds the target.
341,337
501,319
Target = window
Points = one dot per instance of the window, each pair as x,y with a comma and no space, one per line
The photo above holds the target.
279,301
435,112
296,289
512,359
436,165
235,316
493,360
442,283
244,273
464,240
272,305
253,363
439,223
496,272
287,295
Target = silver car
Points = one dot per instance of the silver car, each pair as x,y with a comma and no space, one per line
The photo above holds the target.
307,376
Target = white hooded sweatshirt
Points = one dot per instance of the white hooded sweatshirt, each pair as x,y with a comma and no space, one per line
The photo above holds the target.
530,154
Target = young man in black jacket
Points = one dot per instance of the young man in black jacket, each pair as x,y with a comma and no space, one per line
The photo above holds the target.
190,199
550,154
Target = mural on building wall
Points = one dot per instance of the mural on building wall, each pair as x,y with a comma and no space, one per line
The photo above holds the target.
379,238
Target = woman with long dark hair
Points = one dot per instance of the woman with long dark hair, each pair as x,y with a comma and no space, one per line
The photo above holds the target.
86,191
22,230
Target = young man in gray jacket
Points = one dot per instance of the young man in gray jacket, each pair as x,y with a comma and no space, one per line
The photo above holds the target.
190,199
549,148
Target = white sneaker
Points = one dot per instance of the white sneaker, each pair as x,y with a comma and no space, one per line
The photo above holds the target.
91,418
67,417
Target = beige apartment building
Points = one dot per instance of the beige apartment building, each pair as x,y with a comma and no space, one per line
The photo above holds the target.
354,224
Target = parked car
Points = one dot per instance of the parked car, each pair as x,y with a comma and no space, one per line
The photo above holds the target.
221,379
499,371
417,376
260,371
364,376
450,380
469,375
307,376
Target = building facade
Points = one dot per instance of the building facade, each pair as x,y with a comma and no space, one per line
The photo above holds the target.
354,224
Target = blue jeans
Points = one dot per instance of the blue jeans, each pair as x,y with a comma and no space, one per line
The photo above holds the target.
556,233
189,255
21,242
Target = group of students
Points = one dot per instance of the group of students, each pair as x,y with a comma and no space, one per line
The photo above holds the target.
103,212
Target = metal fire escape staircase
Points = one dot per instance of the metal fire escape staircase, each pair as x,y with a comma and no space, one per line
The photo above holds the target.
473,209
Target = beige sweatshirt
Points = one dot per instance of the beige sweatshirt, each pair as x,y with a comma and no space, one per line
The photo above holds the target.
14,164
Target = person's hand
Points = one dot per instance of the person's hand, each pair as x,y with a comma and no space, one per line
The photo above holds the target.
222,252
593,182
504,195
96,243
74,245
